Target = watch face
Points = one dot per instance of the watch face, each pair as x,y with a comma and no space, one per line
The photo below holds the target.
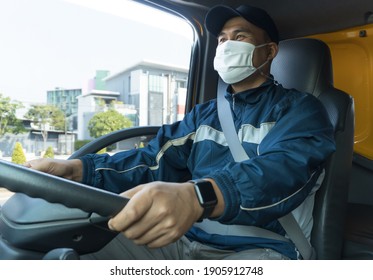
206,194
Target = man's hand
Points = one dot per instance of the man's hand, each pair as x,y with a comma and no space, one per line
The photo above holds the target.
69,169
158,213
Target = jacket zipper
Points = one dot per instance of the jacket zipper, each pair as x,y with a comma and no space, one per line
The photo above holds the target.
233,100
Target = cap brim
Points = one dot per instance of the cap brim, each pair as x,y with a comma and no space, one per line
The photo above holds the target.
217,17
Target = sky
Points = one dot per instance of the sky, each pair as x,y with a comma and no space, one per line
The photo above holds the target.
61,43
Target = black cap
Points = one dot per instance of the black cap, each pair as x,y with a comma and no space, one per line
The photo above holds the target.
219,15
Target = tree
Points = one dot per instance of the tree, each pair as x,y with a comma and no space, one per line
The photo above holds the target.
8,120
45,116
105,122
18,155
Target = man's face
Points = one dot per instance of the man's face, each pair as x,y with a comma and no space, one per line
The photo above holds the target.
239,29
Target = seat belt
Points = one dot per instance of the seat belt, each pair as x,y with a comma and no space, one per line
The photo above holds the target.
239,154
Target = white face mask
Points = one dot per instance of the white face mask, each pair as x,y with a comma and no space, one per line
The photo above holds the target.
234,61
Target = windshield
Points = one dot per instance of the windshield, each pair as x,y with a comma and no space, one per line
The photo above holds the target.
67,67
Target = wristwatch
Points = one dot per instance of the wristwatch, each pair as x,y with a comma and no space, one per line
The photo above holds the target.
206,197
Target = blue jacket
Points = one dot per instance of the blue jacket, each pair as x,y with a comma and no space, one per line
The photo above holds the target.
286,134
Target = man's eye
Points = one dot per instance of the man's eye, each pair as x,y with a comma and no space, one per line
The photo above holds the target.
240,37
222,40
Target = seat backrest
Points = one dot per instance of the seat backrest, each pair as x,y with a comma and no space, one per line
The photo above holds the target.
305,64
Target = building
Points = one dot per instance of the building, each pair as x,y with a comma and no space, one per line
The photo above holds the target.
95,98
66,101
149,94
157,91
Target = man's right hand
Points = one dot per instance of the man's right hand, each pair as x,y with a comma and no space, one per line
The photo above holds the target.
69,169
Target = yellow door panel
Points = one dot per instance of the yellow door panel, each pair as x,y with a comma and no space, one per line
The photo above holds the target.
352,55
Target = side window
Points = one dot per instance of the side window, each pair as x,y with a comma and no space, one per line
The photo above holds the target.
88,59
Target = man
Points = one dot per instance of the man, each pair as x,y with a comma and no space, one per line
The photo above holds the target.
285,133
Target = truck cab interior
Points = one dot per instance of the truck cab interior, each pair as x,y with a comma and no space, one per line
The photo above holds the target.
326,49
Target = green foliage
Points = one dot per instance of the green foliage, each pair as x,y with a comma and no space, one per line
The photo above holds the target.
44,115
80,143
49,153
105,122
8,120
18,155
58,119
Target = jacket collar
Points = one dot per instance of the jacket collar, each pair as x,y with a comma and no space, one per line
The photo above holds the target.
251,96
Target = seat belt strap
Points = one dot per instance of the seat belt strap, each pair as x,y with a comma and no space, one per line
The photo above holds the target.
296,235
239,154
229,129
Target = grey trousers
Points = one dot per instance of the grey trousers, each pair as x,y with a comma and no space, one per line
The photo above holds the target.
120,248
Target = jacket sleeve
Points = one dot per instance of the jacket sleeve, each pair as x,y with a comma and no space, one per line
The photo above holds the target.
165,158
279,177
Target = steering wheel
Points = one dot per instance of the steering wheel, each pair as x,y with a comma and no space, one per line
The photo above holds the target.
17,178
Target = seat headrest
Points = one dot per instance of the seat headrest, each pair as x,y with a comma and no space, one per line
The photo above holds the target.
304,64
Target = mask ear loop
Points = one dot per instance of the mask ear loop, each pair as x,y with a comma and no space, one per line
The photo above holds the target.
265,75
262,45
261,66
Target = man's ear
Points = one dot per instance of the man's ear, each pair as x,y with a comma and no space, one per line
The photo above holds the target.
272,51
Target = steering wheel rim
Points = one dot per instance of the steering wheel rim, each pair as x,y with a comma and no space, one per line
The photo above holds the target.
54,189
